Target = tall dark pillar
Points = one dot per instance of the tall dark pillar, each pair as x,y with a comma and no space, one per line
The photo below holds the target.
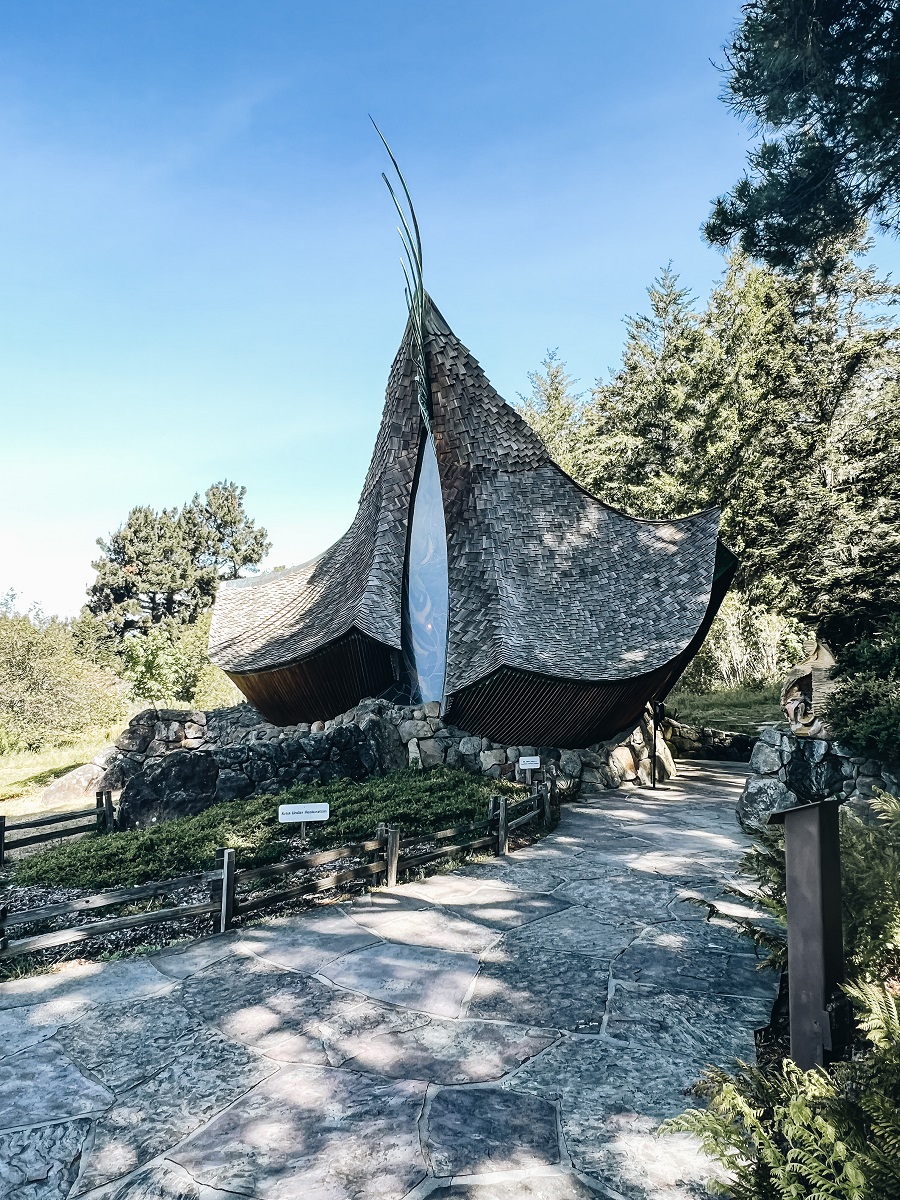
815,941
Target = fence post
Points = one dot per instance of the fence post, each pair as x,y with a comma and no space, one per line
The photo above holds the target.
502,826
2,840
4,913
546,816
392,856
223,890
108,810
101,812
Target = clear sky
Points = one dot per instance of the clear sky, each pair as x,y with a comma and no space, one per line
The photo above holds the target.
199,272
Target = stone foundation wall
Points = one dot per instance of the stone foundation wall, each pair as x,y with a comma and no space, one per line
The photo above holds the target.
172,763
687,742
790,770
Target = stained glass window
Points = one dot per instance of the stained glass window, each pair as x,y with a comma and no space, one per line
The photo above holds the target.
426,600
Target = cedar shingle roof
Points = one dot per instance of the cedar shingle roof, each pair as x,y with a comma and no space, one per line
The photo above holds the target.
542,575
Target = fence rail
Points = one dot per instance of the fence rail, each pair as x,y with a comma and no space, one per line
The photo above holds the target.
103,820
225,903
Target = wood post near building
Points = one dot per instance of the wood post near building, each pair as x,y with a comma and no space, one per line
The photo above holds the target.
392,856
815,941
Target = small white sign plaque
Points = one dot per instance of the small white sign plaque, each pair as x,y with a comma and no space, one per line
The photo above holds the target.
302,812
530,762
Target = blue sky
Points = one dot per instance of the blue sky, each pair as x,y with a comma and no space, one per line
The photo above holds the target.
199,271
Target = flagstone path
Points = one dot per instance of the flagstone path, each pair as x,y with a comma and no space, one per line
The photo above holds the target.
515,1030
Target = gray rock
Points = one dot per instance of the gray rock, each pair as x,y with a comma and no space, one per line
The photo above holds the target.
135,738
433,708
470,746
431,752
492,758
772,737
761,797
414,729
232,785
765,759
78,784
570,763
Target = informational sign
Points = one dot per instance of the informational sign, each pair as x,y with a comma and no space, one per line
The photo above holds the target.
302,812
530,762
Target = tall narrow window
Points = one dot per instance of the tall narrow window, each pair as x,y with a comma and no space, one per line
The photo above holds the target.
426,600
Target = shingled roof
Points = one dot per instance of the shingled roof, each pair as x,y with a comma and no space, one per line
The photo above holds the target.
543,577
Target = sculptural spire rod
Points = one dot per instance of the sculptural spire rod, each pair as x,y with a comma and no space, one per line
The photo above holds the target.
415,290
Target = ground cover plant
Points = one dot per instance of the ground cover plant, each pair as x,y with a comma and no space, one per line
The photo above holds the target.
833,1133
414,801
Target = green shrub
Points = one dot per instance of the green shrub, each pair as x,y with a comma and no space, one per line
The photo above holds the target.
412,800
864,709
49,695
787,1134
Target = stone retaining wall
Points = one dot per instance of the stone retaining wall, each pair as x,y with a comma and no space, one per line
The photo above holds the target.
171,763
721,744
790,770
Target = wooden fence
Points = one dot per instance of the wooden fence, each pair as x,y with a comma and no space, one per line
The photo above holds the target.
383,856
56,825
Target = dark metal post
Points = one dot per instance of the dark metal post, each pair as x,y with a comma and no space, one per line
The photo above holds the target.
815,943
2,840
109,811
225,890
101,812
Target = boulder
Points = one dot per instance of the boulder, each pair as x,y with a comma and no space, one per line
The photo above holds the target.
431,752
492,758
762,795
414,729
624,761
570,763
470,746
180,784
80,784
765,759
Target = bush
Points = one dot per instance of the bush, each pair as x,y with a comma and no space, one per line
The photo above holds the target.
787,1134
864,709
409,799
49,695
170,665
747,646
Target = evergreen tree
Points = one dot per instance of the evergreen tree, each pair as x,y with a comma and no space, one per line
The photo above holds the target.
553,410
164,568
820,78
634,445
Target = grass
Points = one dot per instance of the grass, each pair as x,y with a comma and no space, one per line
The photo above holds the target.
414,801
740,709
23,775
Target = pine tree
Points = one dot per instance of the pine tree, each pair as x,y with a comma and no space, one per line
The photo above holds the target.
552,410
637,430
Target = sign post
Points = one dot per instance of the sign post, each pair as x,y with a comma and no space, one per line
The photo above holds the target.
529,763
293,813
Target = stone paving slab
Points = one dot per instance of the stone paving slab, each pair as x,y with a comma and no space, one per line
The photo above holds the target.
580,931
526,983
429,926
472,1130
153,1030
450,1051
77,984
42,1164
546,1187
275,1145
419,977
42,1084
22,1027
307,941
180,962
156,1115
